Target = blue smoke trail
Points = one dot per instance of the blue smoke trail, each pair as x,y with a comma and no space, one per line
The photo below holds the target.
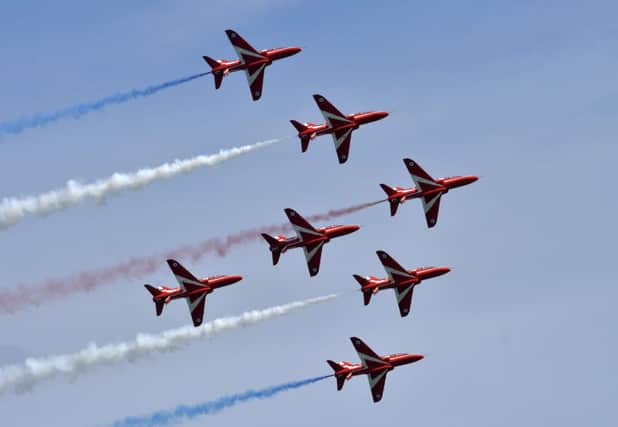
187,412
77,111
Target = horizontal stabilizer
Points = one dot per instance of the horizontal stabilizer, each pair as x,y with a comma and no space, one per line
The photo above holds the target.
153,291
393,203
366,293
212,62
337,367
275,247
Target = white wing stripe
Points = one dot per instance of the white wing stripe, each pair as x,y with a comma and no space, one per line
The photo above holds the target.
420,180
374,381
183,280
196,302
365,358
341,139
428,205
240,52
391,272
300,230
310,255
402,295
251,77
328,116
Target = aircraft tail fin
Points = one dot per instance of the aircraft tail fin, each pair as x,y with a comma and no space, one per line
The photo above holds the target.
298,125
394,203
212,62
304,138
337,367
153,291
217,74
388,190
366,293
159,303
275,247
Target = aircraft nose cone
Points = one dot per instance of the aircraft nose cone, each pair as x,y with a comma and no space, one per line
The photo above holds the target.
473,179
235,279
353,228
444,270
382,114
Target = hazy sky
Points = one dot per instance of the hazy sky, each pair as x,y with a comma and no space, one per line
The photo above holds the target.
523,94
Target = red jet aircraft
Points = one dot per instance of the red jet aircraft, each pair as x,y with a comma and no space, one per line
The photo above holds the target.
374,366
193,290
401,280
254,62
429,190
307,237
337,124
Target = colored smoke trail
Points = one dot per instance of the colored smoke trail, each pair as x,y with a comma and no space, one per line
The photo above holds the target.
188,412
28,295
77,111
12,209
32,371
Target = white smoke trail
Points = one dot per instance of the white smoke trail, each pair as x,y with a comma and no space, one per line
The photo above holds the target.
25,376
14,209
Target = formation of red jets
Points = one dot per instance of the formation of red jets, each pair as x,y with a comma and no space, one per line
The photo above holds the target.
311,239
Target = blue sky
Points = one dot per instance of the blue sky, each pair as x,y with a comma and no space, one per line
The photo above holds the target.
522,93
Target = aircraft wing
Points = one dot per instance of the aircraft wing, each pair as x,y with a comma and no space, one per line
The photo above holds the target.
255,77
423,181
246,53
394,270
196,303
431,206
303,229
254,60
313,254
333,116
342,139
186,280
367,356
404,298
188,283
377,380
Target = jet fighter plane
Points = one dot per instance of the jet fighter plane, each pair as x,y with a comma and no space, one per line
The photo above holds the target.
401,280
374,366
339,125
307,237
252,61
429,190
193,290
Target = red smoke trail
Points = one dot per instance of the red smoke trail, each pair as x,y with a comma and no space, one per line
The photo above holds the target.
136,267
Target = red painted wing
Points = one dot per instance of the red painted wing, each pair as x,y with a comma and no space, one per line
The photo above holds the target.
368,357
431,206
196,304
313,254
394,270
255,77
422,180
303,229
377,380
186,280
342,140
246,53
404,298
333,117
